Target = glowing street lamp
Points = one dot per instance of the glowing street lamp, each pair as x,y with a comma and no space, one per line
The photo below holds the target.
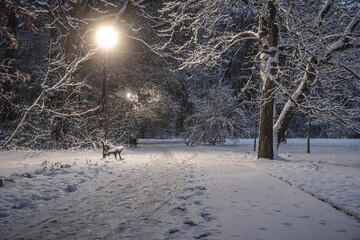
106,37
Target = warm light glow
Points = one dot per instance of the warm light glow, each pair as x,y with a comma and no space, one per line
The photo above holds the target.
131,97
107,37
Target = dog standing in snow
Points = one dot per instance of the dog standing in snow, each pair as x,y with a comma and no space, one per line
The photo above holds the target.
108,149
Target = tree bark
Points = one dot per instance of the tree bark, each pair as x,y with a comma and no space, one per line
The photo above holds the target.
266,121
256,124
308,135
268,37
9,51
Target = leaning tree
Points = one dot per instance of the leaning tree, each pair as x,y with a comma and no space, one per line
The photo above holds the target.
306,55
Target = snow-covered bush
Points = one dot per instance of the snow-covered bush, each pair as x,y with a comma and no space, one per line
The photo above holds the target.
218,116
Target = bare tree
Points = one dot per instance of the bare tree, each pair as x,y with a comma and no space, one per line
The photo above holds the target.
67,83
303,52
321,38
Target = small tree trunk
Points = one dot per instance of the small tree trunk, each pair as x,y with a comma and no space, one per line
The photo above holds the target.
256,123
9,50
308,136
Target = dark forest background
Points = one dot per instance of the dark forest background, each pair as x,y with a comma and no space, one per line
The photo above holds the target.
177,71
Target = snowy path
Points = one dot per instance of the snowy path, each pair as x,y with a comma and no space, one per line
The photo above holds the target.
139,200
262,207
160,191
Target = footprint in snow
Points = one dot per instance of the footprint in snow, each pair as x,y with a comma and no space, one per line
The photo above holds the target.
178,210
71,188
173,230
202,235
189,222
99,188
206,217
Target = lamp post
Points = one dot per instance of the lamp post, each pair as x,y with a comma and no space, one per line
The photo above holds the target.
107,37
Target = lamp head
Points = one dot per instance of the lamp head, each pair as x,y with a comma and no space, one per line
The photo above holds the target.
107,37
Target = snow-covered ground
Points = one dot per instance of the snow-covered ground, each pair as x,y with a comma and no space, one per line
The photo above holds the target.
331,172
165,190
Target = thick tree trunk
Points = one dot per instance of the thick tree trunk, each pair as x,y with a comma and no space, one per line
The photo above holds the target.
268,38
266,121
256,124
